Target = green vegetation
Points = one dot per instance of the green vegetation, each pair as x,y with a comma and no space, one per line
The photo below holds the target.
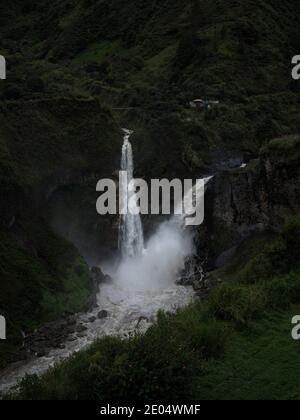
42,276
159,363
152,58
97,52
261,363
44,147
277,257
287,147
237,345
78,70
284,143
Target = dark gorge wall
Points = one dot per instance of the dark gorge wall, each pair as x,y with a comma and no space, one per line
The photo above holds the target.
49,148
53,148
257,198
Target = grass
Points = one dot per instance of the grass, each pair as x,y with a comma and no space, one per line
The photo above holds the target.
237,345
203,358
262,363
154,59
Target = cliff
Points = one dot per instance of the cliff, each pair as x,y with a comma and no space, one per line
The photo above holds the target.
256,198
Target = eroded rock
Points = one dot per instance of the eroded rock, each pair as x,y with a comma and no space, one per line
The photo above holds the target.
102,314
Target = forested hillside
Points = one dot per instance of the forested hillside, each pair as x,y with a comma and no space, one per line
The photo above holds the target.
80,70
155,60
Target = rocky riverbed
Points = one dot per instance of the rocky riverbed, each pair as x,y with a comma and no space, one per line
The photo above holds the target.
117,312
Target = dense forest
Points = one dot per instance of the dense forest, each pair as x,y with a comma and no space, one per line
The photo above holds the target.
77,72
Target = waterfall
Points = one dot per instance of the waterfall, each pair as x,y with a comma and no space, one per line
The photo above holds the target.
131,237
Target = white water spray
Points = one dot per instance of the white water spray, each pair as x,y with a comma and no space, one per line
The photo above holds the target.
144,283
131,237
159,265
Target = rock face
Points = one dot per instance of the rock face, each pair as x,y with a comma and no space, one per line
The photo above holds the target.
97,275
264,194
97,278
259,196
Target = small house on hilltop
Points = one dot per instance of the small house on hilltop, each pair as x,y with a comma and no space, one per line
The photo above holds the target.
198,103
202,104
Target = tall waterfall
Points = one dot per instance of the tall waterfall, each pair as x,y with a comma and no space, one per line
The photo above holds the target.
131,236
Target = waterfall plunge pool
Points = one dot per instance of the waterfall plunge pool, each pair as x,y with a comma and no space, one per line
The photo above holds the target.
143,284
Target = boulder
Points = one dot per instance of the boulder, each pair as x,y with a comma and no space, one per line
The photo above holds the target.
71,320
107,279
102,314
41,353
92,319
97,274
81,328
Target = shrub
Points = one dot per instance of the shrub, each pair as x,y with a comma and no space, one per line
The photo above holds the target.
202,334
277,258
236,303
271,261
281,292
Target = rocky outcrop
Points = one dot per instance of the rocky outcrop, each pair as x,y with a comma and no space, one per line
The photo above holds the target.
264,194
256,197
97,278
52,335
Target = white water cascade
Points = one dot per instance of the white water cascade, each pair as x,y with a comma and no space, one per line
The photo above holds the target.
142,284
131,236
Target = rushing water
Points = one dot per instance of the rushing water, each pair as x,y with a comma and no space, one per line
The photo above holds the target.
143,283
131,240
128,312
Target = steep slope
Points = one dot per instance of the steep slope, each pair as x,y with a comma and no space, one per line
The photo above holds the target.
46,147
80,69
152,58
